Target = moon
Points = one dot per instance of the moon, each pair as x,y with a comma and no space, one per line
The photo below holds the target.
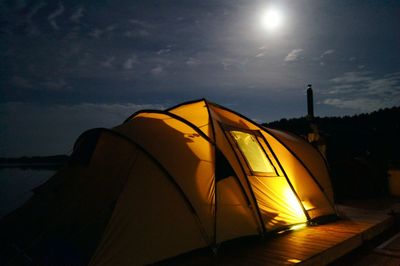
271,19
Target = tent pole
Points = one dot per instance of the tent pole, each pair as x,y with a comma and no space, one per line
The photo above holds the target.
210,121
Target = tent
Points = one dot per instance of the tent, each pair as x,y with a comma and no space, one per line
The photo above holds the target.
168,182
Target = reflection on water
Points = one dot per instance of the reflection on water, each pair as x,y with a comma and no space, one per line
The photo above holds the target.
16,186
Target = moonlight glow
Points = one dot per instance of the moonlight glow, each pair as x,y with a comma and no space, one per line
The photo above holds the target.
271,19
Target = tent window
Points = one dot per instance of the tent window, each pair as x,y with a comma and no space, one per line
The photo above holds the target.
253,152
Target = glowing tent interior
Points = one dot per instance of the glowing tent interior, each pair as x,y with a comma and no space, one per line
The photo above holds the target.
167,182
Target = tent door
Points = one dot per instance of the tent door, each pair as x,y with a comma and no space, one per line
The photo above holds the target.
278,205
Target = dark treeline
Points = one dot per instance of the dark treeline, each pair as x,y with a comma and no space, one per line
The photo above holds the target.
360,149
36,162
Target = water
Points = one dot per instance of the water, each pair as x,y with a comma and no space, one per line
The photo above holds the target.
16,186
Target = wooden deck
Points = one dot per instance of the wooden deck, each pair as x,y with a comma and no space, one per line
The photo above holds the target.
312,245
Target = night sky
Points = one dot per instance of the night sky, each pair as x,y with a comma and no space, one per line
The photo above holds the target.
68,66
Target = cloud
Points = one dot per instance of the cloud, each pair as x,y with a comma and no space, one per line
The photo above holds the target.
229,63
261,54
157,70
327,52
138,28
350,77
363,104
37,129
388,85
128,64
226,65
54,85
141,23
323,56
342,87
35,9
26,21
136,33
192,61
362,91
96,33
108,63
262,51
21,82
164,51
77,15
293,55
50,83
110,28
56,13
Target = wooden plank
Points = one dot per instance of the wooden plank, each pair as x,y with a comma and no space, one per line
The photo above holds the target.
334,252
305,246
377,229
313,245
251,258
284,254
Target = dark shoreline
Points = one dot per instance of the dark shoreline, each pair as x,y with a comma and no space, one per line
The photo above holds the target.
36,162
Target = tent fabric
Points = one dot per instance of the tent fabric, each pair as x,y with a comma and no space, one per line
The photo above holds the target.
313,197
246,202
310,156
159,216
168,182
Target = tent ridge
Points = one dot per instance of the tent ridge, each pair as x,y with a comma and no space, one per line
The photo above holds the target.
188,123
186,103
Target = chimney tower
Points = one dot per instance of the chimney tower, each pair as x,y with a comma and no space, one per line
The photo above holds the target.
310,103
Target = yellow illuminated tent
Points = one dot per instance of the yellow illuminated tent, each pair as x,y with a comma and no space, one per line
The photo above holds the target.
167,182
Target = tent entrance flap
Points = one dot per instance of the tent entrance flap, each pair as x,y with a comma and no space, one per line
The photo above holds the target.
278,205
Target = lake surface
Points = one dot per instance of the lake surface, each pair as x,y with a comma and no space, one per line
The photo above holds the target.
16,186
